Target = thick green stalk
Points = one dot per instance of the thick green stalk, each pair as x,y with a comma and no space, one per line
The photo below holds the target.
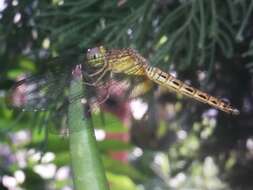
88,171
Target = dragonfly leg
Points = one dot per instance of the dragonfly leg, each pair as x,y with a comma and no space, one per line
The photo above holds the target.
104,98
100,99
89,83
98,72
100,77
95,84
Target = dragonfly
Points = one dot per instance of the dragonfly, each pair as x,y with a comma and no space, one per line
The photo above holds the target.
130,62
38,93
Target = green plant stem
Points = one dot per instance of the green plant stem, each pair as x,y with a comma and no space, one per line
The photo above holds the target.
239,35
87,168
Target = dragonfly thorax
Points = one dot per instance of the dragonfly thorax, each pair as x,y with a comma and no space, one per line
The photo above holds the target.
95,56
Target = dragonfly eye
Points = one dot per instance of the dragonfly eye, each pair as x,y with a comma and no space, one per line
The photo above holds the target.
95,56
93,53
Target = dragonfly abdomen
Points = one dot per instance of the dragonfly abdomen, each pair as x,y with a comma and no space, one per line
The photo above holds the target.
176,85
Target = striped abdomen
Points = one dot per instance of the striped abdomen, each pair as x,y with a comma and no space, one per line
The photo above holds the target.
174,84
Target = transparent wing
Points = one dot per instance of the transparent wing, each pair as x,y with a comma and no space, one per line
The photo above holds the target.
45,91
38,93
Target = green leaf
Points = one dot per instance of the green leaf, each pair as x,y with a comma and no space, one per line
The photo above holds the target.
117,167
120,182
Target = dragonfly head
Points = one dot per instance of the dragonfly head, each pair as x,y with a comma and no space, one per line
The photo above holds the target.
95,56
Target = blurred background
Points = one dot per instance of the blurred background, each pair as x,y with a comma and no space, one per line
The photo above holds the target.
156,142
